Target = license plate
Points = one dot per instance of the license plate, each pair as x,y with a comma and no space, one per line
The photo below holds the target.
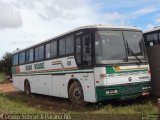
145,93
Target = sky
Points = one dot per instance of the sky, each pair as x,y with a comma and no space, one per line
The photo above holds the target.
27,22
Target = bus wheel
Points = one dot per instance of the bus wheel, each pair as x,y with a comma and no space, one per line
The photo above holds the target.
27,88
76,94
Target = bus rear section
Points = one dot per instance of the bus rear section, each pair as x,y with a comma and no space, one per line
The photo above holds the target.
122,82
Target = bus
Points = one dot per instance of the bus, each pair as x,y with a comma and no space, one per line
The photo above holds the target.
152,41
89,64
152,36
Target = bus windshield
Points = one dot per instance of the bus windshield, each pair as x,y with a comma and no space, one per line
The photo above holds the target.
115,46
134,41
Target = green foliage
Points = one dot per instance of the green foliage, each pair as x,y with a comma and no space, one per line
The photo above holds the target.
2,76
1,65
6,63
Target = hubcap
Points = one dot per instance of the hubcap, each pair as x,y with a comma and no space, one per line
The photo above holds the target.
77,93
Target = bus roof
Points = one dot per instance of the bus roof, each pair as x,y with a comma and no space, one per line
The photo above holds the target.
152,29
100,26
107,26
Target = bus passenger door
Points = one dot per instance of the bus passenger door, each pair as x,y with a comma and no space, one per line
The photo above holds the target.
88,76
86,45
83,51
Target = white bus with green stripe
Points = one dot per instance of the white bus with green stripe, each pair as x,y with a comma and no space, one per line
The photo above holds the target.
88,64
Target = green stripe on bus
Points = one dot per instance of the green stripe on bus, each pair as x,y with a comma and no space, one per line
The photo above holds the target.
51,71
110,70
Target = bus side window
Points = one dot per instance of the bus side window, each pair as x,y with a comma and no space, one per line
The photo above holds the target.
48,50
62,47
39,53
15,59
87,50
78,50
31,55
54,49
22,58
70,44
152,39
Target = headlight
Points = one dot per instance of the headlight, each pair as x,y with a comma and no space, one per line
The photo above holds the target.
111,91
146,88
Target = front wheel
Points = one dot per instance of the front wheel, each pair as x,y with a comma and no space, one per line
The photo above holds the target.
76,94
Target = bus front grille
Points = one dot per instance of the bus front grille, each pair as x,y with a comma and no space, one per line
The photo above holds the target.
130,90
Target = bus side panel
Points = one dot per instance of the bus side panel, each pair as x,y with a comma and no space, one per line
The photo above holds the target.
87,82
59,86
89,87
33,83
40,84
18,82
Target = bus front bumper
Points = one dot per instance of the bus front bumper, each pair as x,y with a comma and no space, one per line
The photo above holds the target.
125,91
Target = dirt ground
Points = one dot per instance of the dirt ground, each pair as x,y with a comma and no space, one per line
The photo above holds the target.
7,88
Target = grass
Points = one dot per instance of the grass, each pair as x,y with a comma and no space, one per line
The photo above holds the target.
19,104
15,105
134,108
40,104
2,76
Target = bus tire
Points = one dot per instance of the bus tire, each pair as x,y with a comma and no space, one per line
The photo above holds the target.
76,94
27,88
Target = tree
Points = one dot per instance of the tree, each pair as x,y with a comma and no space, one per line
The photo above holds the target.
6,63
1,65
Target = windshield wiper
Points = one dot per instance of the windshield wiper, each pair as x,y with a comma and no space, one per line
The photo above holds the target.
132,52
